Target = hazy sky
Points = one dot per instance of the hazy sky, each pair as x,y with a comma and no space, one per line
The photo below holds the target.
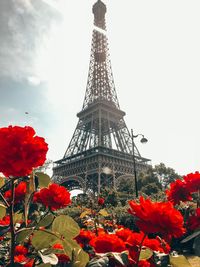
155,55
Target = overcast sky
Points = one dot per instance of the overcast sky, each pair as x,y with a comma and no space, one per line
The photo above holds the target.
155,56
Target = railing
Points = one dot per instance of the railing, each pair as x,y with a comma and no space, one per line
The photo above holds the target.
99,151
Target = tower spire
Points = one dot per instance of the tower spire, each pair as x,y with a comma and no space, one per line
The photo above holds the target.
99,11
100,85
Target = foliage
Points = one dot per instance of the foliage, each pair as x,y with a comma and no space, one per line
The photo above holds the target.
127,185
165,175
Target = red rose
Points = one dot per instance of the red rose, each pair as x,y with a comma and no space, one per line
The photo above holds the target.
158,217
178,192
194,220
26,262
20,258
124,233
21,250
84,237
192,181
29,263
61,256
157,244
144,263
134,239
54,197
107,243
101,201
5,221
20,192
20,150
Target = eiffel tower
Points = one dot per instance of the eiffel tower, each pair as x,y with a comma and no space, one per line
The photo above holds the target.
100,152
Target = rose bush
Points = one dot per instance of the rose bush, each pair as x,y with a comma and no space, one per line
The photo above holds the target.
29,228
33,232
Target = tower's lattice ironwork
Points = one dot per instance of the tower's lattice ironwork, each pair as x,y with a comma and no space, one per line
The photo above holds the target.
100,151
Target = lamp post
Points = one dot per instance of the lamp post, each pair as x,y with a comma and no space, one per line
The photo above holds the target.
143,140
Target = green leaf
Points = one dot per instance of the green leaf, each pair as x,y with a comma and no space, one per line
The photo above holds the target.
104,213
120,257
54,250
43,179
79,258
23,234
2,211
96,262
65,226
18,217
50,258
68,246
2,181
196,246
188,238
85,213
145,254
124,257
44,239
179,261
46,221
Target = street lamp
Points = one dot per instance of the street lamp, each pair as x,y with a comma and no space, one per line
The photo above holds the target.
143,141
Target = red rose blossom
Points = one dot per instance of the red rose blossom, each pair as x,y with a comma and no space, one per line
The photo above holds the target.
194,220
84,237
157,244
54,197
144,263
20,192
157,217
193,181
20,150
61,256
135,240
101,201
124,233
5,221
29,263
107,243
178,192
21,250
20,258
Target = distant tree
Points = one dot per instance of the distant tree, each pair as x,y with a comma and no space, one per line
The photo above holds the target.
126,185
148,182
151,188
165,175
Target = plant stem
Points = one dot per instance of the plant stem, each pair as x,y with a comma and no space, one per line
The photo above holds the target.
95,224
12,228
198,199
139,249
4,200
